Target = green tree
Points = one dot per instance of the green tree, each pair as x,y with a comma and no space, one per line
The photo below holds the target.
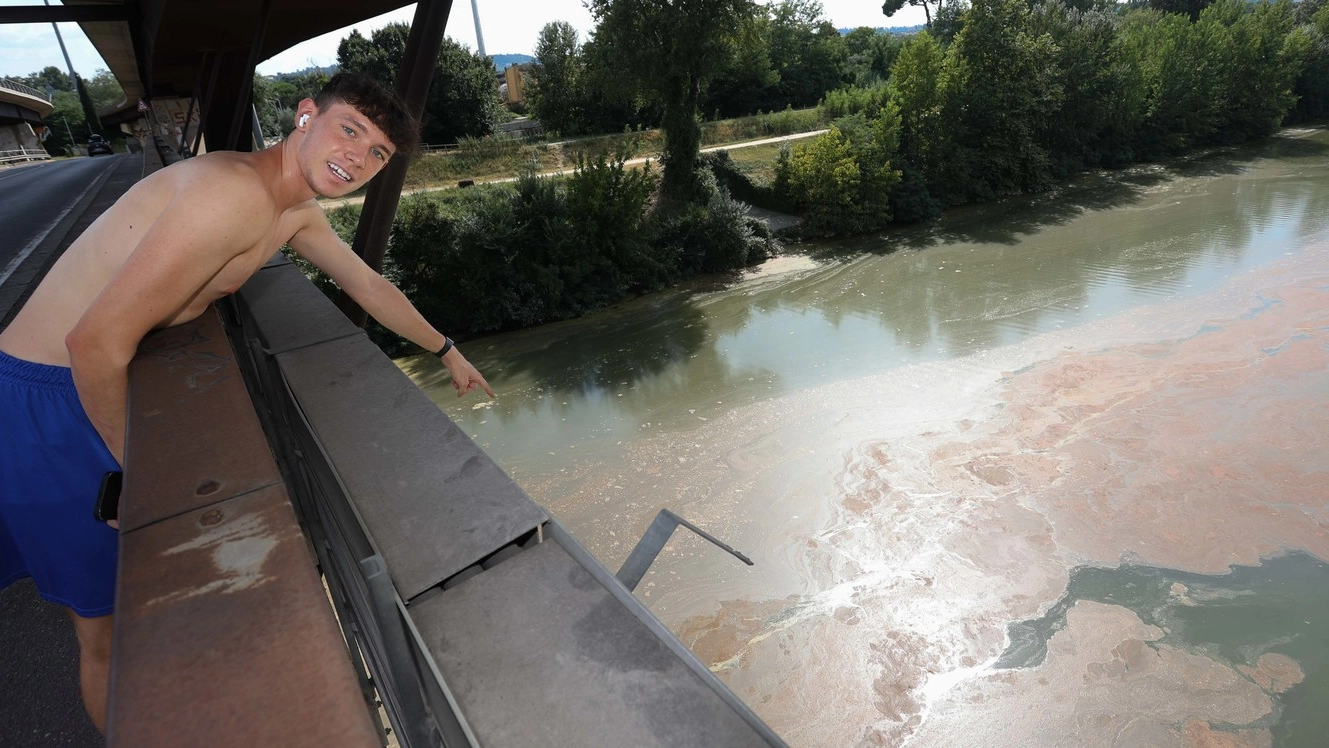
66,120
809,54
1189,8
915,88
871,55
747,80
554,88
303,85
268,106
48,76
843,179
1099,107
999,86
667,50
1312,86
463,95
931,8
1176,65
1261,66
105,90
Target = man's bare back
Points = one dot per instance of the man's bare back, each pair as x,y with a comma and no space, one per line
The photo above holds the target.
85,269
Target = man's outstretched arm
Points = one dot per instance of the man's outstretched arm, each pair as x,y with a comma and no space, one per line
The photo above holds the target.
318,243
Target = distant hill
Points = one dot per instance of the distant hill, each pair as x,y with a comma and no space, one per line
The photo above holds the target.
890,29
502,62
326,70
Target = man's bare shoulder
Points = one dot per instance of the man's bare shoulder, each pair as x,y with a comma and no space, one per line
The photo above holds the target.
307,215
222,179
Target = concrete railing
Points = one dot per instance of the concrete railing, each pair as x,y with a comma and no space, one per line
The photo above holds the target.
23,154
25,90
223,633
482,620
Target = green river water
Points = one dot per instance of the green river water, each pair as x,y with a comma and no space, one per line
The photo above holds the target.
942,444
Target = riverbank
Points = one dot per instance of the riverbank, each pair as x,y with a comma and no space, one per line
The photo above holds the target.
779,218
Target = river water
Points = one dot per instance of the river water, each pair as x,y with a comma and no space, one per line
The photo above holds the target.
1053,471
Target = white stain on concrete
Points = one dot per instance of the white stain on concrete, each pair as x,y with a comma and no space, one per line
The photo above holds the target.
239,547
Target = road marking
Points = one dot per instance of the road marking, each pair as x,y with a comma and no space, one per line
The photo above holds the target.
18,171
23,253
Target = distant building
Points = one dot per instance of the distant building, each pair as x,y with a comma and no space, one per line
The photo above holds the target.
514,78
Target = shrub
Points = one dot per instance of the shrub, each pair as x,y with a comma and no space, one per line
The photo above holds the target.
741,186
717,236
842,181
856,100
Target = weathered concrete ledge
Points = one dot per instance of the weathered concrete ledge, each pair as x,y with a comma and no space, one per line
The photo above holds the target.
223,633
482,620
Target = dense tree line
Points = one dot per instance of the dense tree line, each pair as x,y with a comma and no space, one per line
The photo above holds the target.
463,94
752,57
1025,94
996,97
504,256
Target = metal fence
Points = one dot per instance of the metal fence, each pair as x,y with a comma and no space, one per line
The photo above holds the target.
23,154
19,87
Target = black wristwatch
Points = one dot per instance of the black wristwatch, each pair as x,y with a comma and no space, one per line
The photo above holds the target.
447,346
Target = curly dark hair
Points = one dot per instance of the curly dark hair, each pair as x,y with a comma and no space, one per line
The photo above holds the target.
380,105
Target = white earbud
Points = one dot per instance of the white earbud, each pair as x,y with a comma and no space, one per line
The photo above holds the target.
303,119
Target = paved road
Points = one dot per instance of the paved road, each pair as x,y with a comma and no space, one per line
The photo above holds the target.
34,198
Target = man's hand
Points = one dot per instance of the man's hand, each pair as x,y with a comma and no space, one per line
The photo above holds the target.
465,377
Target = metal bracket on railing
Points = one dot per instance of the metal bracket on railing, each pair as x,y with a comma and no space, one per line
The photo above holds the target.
417,730
654,540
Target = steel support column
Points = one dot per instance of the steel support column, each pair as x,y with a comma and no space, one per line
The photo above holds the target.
241,115
380,207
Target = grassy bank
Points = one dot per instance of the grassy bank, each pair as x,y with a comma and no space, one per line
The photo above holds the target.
489,159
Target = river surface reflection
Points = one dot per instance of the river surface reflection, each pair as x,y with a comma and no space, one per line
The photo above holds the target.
924,438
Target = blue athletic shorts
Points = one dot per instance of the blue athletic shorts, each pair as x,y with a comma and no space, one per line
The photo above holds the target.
51,466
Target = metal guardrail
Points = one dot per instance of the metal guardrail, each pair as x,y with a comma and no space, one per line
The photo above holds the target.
23,154
20,88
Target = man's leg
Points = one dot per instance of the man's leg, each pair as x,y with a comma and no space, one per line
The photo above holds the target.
94,663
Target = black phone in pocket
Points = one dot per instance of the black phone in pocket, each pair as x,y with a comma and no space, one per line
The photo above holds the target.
108,498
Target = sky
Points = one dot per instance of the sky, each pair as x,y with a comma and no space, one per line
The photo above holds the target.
509,26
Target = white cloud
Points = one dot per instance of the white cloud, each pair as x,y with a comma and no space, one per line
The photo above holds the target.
29,47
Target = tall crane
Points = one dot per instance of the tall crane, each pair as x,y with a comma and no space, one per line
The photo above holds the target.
479,38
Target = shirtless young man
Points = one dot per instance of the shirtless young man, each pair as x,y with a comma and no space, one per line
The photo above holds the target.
173,244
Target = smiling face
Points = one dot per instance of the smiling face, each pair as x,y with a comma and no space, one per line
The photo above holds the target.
341,149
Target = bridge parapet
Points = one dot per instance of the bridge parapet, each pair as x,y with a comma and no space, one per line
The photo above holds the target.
223,633
23,103
472,614
483,621
23,89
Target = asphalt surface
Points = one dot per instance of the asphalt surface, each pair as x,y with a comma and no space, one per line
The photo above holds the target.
44,207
